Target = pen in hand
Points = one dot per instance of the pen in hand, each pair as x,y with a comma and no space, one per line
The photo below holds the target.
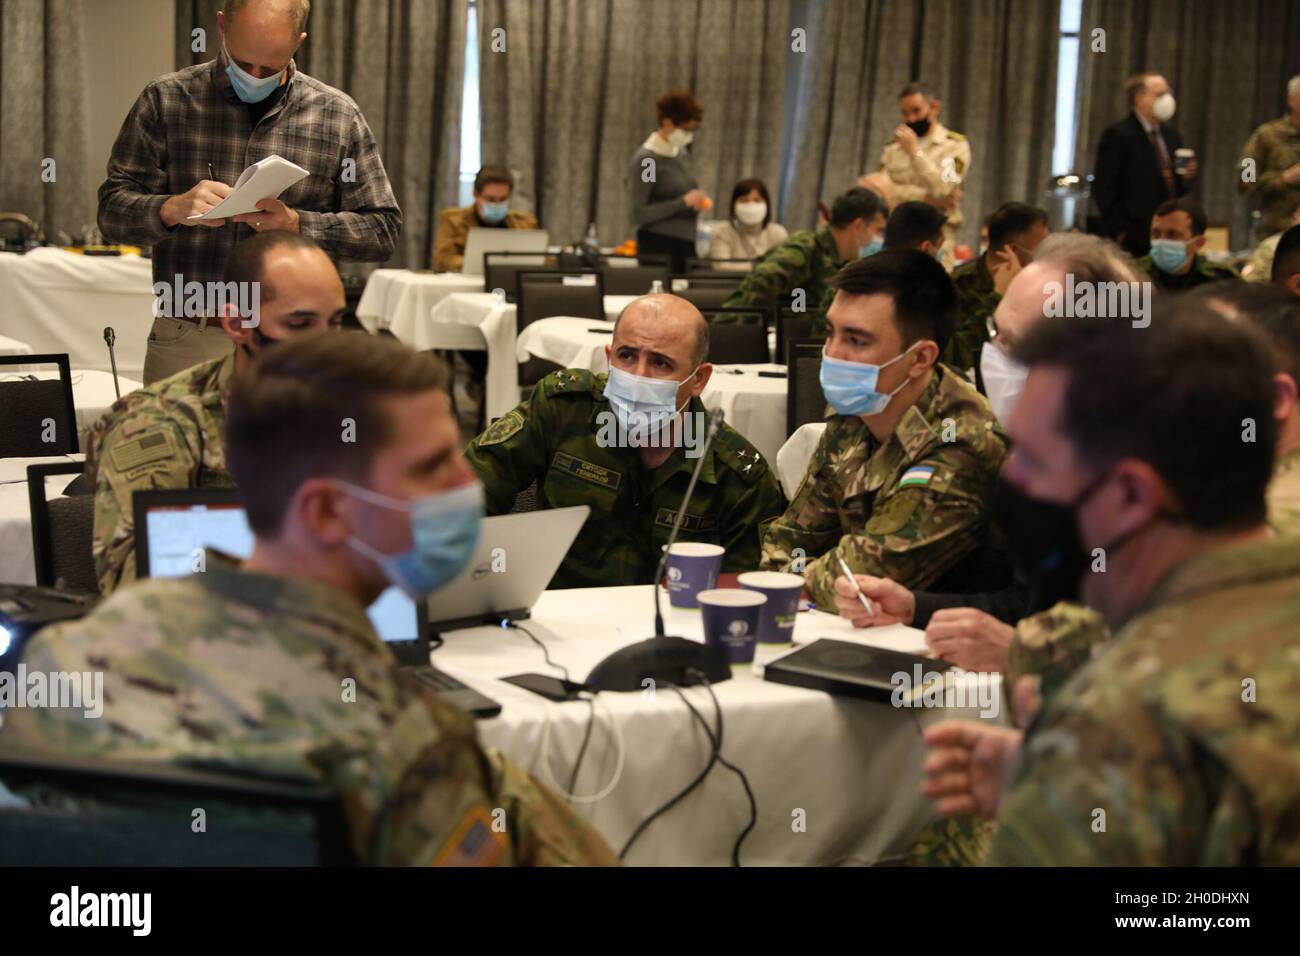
866,604
211,174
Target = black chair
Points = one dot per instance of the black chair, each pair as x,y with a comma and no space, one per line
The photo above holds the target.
791,325
142,815
501,269
738,343
62,530
546,294
635,275
697,266
705,291
804,400
29,406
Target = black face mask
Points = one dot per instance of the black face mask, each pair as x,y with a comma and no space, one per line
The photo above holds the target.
920,127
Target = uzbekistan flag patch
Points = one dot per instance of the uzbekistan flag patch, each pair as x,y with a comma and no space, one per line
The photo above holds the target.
917,477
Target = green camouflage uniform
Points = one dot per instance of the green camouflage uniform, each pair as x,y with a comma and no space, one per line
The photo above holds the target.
231,671
1186,732
807,260
1284,495
1275,147
915,509
1203,271
1052,645
552,439
977,300
169,435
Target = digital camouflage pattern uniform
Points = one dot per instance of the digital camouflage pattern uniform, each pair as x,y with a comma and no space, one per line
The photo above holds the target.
1284,495
807,260
915,509
1185,732
552,439
169,435
977,300
231,671
1275,147
1202,272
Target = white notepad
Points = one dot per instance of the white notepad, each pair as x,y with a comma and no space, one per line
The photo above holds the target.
265,179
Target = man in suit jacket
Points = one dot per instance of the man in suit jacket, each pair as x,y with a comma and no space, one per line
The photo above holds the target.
1135,170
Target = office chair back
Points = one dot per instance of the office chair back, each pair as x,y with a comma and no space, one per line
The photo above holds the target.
706,292
804,401
62,530
738,343
635,275
501,270
791,325
543,295
38,417
697,266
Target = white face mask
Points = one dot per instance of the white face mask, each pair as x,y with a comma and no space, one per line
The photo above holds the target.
679,138
751,213
1004,379
1164,107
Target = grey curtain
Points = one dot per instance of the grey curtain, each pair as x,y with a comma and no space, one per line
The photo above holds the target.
43,114
1228,64
403,61
573,94
992,63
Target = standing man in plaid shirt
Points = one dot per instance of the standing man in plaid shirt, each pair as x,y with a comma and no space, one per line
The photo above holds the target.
191,133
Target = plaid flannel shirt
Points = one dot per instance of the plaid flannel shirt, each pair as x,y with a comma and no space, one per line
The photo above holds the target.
185,120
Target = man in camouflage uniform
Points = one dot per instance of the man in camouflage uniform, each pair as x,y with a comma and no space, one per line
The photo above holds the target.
1274,149
1015,230
169,435
799,270
901,492
925,160
565,440
273,669
1167,748
1180,224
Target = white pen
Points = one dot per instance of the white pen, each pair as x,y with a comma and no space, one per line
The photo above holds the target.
857,587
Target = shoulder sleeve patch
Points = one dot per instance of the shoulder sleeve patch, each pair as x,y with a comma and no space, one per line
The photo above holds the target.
474,842
149,447
504,427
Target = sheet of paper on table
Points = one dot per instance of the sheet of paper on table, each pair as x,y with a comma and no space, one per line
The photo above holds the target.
265,179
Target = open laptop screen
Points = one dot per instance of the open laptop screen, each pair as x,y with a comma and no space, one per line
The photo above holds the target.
173,528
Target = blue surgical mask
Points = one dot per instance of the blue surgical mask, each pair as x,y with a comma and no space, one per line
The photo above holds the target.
493,212
1169,255
444,533
871,248
249,88
641,402
850,387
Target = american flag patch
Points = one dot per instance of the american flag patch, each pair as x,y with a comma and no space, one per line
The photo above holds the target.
473,843
917,477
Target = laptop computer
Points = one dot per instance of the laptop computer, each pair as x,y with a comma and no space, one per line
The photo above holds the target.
483,240
172,526
516,557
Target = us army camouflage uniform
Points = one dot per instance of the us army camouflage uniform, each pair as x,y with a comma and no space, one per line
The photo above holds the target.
935,172
977,300
1275,147
1284,495
552,439
248,673
915,509
1202,272
169,435
1052,645
807,260
1185,732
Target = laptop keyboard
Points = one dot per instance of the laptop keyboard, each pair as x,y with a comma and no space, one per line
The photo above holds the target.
437,680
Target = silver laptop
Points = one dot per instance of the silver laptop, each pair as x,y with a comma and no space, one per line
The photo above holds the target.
503,240
516,557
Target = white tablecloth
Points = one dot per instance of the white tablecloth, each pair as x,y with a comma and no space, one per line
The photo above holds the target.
754,405
792,460
852,767
398,299
16,565
92,391
59,301
10,346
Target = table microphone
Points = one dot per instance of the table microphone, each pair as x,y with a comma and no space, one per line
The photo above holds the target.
662,659
109,338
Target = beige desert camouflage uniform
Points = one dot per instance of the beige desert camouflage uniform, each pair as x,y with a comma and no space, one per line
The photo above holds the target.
1185,732
938,170
1284,495
915,509
169,435
231,671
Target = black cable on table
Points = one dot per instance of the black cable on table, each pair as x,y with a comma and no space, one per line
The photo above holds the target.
545,653
582,751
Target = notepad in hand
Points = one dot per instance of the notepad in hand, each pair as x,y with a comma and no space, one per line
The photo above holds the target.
265,179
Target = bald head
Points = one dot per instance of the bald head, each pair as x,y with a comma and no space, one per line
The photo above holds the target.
665,324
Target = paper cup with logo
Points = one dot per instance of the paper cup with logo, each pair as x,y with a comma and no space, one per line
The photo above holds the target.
731,621
776,622
692,567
